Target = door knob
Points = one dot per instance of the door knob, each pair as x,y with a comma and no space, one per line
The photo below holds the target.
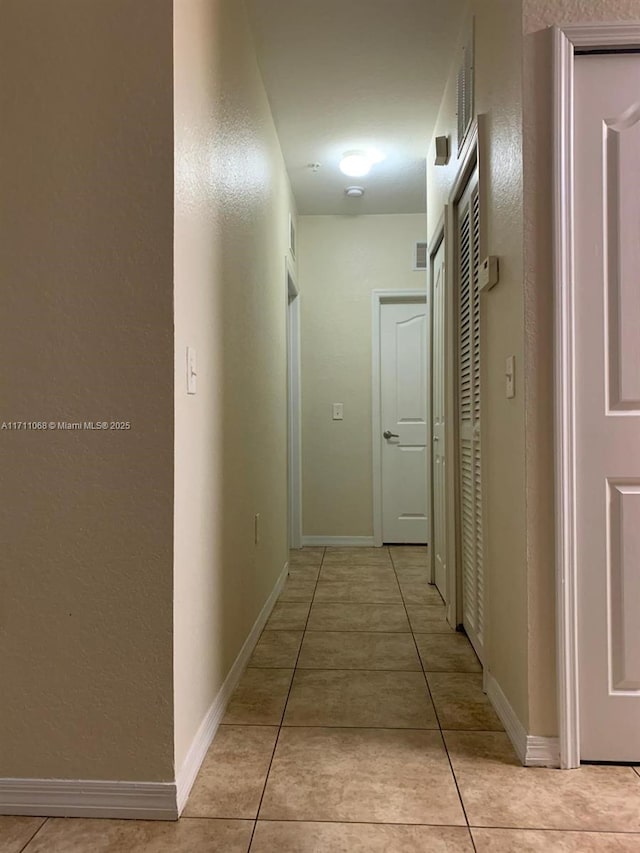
436,438
388,434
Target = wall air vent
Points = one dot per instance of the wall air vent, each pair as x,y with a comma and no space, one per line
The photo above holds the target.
421,257
465,92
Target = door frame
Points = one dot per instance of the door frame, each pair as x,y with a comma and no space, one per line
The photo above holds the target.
378,299
440,236
294,401
567,42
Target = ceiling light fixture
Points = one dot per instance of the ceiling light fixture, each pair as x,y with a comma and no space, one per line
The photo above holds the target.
357,164
354,192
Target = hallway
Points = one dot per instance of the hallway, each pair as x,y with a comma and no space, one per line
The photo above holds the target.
361,726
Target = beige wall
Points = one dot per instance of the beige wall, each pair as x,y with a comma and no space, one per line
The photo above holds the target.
342,260
86,189
498,81
231,222
538,15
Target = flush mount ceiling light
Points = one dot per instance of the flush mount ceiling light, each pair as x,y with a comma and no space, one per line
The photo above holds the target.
354,192
357,164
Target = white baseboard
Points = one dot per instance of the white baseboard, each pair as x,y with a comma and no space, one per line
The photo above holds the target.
512,725
339,541
136,800
209,725
88,798
533,751
542,751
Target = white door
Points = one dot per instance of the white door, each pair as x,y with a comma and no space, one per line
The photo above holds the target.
469,448
403,395
439,506
607,359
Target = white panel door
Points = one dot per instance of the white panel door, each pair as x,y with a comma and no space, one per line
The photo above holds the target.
403,394
438,467
469,447
607,357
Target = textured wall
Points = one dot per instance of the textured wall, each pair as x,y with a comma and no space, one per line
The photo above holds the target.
342,259
498,80
538,15
86,269
231,237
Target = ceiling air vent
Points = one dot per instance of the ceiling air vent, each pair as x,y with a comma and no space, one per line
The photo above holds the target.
421,256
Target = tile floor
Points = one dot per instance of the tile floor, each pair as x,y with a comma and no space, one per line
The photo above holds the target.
360,726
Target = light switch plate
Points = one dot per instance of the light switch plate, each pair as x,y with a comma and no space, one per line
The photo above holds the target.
192,370
510,377
338,411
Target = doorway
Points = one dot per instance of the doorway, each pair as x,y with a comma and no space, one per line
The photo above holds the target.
597,392
294,443
401,463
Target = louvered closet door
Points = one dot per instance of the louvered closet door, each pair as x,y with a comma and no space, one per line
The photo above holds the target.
469,451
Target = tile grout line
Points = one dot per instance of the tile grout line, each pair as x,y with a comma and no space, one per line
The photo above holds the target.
360,669
491,827
502,828
22,849
435,710
284,709
447,632
370,728
343,631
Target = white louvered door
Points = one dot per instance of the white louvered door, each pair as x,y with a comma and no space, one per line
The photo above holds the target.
469,449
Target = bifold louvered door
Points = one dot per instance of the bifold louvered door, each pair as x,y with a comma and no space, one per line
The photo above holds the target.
469,441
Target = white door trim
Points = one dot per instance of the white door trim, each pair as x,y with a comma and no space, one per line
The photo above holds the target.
566,42
294,414
378,298
439,237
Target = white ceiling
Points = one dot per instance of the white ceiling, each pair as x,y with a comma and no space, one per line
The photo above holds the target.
347,74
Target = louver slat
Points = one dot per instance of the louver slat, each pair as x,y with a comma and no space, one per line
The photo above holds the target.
465,361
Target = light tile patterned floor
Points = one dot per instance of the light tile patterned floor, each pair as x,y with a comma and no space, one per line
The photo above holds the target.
360,726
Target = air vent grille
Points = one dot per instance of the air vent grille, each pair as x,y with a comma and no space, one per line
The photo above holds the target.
465,92
421,256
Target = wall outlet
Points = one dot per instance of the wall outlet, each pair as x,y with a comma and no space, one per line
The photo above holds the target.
256,528
338,411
